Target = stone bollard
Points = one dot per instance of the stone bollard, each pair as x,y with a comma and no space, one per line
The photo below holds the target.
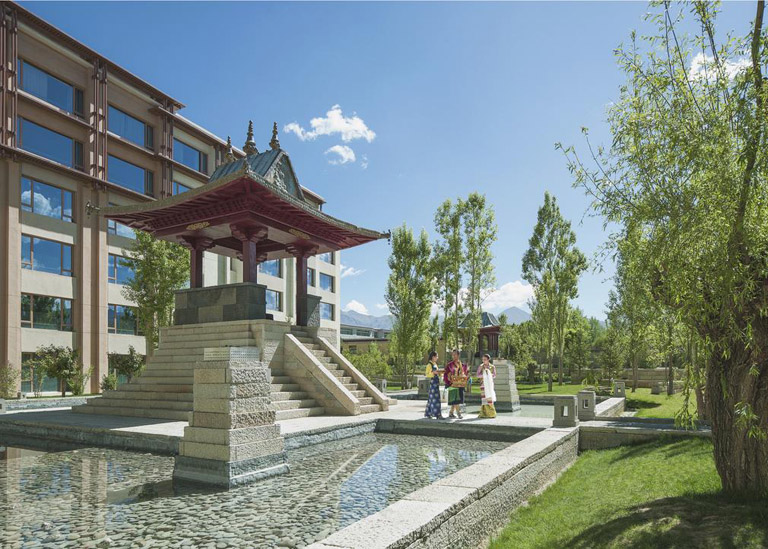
586,405
3,406
424,387
381,385
656,388
232,438
565,411
620,389
505,385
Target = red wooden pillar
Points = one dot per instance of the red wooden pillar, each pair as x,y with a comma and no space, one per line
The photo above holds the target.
250,236
301,253
196,245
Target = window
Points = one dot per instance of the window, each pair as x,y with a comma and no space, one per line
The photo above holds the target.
47,313
122,319
189,156
130,176
353,349
272,267
326,282
130,128
113,227
46,200
50,144
178,188
327,257
347,332
311,281
364,333
274,300
49,88
118,270
48,256
326,311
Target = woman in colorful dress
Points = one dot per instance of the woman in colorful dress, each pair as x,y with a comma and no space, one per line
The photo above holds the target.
455,376
433,398
486,372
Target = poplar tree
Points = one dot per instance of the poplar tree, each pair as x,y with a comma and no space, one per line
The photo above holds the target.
410,289
687,164
447,263
159,269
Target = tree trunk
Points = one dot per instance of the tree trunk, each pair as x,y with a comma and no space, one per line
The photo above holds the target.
670,368
549,357
741,459
701,403
634,370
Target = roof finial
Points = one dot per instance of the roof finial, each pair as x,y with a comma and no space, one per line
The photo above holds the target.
250,144
229,156
275,142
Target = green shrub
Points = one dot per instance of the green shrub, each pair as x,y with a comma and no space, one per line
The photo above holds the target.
109,382
78,380
8,380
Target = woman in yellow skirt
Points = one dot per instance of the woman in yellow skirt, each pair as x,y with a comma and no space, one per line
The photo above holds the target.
486,372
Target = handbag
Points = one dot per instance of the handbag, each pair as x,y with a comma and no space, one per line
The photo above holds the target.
458,379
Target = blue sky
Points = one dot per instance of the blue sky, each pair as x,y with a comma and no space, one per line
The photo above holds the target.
460,97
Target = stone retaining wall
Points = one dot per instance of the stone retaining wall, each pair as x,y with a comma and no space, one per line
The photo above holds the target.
594,436
461,509
43,403
610,407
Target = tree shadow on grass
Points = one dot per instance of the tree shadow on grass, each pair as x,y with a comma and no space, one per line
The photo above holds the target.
637,404
668,446
682,522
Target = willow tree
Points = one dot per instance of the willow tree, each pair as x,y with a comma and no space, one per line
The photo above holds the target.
409,293
687,165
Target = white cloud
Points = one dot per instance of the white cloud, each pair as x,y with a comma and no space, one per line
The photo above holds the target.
511,294
348,127
346,271
703,65
364,162
343,154
356,306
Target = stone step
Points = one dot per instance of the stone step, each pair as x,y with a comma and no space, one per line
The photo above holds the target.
166,388
370,408
175,415
207,338
351,386
166,365
169,380
279,396
284,387
306,340
281,380
299,412
346,381
167,372
147,395
364,401
319,353
202,344
219,327
143,403
294,404
337,373
358,394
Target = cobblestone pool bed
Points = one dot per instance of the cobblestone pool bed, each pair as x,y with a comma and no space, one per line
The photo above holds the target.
95,497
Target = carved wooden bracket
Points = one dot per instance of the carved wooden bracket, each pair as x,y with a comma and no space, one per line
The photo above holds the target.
301,250
196,243
249,233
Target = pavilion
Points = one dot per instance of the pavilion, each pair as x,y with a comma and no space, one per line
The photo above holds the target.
252,208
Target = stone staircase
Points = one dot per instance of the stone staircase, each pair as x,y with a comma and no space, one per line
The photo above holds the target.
164,390
366,401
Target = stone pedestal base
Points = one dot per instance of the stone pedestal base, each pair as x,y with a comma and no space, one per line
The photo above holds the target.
243,301
232,438
507,397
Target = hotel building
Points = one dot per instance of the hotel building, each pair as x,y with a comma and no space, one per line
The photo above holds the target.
78,130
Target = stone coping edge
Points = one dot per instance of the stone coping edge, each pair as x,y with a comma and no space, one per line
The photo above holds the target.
44,403
450,511
327,434
91,436
431,428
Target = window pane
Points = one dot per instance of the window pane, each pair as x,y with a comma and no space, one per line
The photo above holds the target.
47,143
178,188
66,259
274,301
326,282
310,277
126,320
67,208
111,319
46,200
184,154
125,174
126,126
46,87
271,267
26,309
46,312
26,252
326,311
46,256
66,305
119,270
327,257
26,194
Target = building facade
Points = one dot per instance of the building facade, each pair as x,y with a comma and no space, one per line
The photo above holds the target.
80,132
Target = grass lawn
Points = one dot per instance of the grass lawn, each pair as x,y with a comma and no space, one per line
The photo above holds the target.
658,494
646,404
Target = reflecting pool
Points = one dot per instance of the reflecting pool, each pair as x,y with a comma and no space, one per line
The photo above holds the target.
108,498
